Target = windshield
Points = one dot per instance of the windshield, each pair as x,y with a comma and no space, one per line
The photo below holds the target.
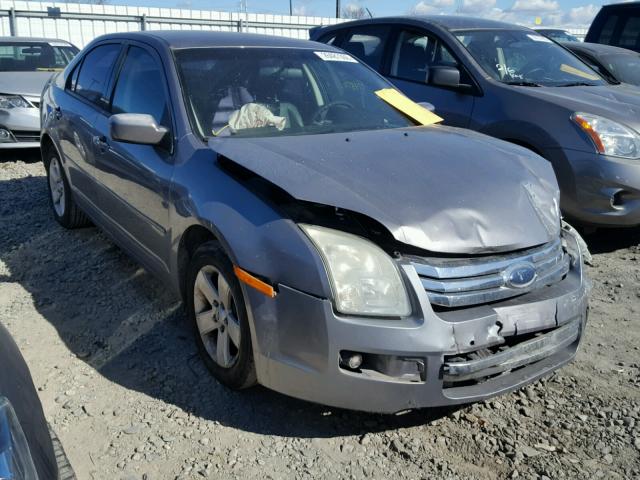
527,58
626,68
257,92
35,56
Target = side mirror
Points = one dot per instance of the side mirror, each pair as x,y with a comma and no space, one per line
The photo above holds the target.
445,76
429,106
137,128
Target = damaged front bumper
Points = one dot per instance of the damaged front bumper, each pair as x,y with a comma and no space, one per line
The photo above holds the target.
436,357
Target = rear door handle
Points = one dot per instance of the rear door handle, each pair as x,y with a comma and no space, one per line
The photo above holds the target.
100,141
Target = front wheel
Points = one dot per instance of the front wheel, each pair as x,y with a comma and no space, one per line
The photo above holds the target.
216,307
65,210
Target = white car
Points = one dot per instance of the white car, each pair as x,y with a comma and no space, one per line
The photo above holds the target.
26,64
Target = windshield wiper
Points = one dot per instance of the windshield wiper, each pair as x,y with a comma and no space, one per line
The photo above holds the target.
578,84
522,83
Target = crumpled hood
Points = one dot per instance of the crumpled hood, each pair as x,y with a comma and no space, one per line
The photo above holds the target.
617,102
438,188
24,83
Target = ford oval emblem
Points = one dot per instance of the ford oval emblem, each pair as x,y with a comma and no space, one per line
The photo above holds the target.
520,275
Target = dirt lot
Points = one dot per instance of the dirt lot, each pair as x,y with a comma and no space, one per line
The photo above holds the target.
120,380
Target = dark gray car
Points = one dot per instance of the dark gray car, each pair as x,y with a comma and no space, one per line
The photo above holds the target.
515,84
325,245
613,63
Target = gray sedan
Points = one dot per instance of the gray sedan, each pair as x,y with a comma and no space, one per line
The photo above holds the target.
26,64
329,241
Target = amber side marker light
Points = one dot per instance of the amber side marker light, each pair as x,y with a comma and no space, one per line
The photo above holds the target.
246,277
588,129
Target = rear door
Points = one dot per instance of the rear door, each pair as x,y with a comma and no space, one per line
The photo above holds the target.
137,177
414,55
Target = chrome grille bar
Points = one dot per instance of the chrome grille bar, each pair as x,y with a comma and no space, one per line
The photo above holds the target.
472,281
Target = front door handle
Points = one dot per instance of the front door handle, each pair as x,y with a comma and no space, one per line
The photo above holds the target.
100,142
57,113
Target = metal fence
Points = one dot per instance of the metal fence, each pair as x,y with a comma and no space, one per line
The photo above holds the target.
81,23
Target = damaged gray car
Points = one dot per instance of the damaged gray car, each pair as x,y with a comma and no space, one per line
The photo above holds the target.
326,245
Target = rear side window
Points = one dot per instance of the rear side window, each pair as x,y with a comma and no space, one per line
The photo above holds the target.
367,43
140,87
606,34
94,73
630,33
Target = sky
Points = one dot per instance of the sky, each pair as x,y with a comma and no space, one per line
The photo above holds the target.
549,12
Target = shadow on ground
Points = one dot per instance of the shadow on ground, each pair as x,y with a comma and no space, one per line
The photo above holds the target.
121,321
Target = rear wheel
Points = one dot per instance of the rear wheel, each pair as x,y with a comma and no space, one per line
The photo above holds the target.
65,210
217,310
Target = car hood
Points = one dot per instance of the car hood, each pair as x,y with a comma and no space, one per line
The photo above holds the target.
24,83
617,102
437,188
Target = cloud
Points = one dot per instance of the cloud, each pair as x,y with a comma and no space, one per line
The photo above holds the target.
431,7
535,6
581,15
477,7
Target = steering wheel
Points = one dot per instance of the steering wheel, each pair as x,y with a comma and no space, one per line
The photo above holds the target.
321,114
535,72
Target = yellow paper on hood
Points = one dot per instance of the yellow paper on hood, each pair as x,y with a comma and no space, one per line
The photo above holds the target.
407,106
578,73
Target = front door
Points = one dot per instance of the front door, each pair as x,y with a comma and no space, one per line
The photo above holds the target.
414,54
137,178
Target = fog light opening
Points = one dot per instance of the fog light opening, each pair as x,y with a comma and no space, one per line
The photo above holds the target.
617,200
351,360
5,135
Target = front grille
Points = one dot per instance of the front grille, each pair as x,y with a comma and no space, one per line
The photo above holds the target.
26,135
462,282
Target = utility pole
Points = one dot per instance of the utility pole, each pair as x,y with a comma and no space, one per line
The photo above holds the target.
337,8
290,7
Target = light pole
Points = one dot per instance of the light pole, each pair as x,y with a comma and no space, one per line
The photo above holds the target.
337,8
290,7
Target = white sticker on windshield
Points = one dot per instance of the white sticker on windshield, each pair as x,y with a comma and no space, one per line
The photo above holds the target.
336,57
539,38
59,44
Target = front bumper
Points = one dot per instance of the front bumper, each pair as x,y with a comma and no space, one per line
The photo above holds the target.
598,190
431,359
23,124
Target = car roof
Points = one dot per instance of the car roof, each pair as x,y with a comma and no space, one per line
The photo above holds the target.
622,4
448,22
177,39
33,39
561,30
597,48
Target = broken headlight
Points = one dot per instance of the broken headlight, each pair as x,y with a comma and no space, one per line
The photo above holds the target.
364,279
15,459
13,101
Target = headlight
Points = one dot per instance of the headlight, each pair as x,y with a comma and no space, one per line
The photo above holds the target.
609,137
14,101
365,280
15,459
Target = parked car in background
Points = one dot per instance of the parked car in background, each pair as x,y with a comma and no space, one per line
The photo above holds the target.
557,34
613,63
26,448
515,84
25,66
618,25
325,245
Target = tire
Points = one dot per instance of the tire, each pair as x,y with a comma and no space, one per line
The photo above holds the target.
216,309
65,210
65,471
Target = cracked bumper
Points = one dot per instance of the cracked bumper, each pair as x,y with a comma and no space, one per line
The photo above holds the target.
430,359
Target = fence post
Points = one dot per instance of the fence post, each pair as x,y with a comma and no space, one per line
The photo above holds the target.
13,28
143,22
240,25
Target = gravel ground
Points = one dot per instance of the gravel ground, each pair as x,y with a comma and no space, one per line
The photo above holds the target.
121,382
